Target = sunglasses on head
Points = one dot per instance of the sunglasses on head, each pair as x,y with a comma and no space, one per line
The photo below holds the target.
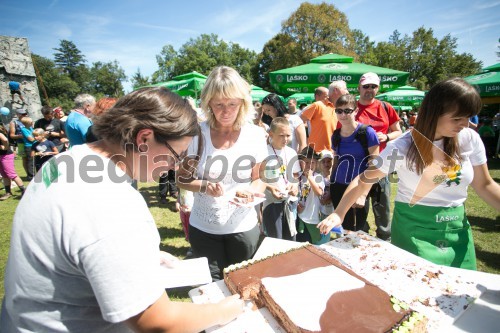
373,86
346,111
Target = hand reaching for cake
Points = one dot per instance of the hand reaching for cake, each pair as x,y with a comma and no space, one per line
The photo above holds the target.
231,307
333,220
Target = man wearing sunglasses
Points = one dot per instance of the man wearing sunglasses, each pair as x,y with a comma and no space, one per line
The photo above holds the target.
385,121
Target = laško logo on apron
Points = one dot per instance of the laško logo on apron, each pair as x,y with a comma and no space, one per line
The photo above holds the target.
446,218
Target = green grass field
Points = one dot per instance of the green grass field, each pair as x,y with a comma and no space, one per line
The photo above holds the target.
485,223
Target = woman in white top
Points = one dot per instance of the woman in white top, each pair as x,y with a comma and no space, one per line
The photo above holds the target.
226,161
435,162
274,107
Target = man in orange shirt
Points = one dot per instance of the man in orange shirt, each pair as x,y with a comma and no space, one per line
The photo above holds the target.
322,117
385,121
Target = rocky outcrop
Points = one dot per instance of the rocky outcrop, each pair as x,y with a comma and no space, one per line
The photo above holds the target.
16,65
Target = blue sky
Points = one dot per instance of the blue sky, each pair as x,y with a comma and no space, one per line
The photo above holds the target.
133,32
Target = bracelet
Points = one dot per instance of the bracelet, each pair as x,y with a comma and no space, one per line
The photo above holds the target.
387,138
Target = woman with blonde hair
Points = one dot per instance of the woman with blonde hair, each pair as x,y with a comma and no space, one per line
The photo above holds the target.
436,162
228,165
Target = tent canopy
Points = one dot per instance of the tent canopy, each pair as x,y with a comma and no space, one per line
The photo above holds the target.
301,98
322,70
190,75
403,96
188,87
487,83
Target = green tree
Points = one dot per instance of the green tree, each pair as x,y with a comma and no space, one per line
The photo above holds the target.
362,46
312,30
426,58
277,53
138,80
165,61
69,58
106,79
60,89
317,30
202,54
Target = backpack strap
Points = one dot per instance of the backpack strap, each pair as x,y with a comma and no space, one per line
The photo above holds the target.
336,138
384,104
362,138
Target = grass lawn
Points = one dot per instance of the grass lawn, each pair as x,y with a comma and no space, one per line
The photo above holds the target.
485,223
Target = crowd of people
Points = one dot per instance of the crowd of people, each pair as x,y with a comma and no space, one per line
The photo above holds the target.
239,171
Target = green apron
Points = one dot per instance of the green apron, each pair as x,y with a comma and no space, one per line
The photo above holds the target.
441,235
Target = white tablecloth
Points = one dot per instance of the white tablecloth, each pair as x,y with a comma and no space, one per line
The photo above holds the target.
481,316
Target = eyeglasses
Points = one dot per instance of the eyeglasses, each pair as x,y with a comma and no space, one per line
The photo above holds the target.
178,159
373,86
232,105
346,111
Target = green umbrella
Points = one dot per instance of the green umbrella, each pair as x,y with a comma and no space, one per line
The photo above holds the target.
258,93
488,83
403,96
188,87
301,98
193,74
321,71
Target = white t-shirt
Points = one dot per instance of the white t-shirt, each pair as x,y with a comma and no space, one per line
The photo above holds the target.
232,168
84,252
310,214
295,121
274,174
451,190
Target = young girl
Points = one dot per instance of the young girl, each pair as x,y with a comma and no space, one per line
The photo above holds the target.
436,161
325,168
7,169
279,172
352,158
42,149
28,140
311,188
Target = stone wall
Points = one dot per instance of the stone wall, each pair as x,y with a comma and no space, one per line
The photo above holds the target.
16,65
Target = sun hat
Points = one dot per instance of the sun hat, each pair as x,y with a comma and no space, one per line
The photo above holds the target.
325,154
369,78
21,111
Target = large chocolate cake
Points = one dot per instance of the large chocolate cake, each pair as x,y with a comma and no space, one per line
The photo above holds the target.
307,290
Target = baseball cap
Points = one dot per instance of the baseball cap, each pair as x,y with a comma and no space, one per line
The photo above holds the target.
21,111
369,78
325,154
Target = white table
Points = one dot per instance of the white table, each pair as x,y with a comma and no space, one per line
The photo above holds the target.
481,316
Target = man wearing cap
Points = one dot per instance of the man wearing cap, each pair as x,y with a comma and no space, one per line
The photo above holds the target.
16,135
78,122
321,115
385,121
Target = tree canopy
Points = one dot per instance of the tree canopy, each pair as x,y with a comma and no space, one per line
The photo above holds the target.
67,75
202,54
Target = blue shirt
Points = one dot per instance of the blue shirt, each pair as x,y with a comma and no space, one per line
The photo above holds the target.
77,127
27,132
352,160
14,85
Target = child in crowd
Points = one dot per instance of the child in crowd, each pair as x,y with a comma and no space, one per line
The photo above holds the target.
28,139
311,188
7,169
183,205
280,207
42,149
325,168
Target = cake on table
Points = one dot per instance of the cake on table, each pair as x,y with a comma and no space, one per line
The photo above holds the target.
307,290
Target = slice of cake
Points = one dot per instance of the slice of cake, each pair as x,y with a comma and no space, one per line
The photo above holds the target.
307,290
